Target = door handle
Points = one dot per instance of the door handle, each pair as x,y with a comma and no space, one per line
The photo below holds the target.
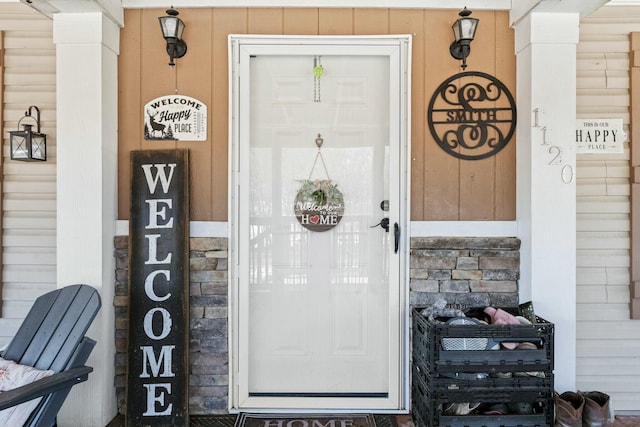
384,223
396,235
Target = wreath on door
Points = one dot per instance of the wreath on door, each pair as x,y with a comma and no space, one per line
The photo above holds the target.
319,205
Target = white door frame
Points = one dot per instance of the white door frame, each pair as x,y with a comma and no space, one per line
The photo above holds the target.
241,47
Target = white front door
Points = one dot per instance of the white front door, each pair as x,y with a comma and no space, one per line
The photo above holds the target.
317,165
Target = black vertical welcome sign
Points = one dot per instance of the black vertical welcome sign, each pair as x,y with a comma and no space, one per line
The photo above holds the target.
158,368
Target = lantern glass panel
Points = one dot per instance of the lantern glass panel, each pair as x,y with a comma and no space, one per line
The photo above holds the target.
467,28
39,146
19,145
169,25
456,30
180,28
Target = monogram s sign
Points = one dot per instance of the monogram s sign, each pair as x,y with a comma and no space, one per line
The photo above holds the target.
472,115
158,350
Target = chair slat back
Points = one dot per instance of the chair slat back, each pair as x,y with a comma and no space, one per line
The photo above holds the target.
53,328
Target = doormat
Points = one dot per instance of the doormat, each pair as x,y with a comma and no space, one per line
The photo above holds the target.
212,420
309,420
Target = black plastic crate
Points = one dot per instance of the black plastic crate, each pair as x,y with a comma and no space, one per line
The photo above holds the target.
442,377
427,347
428,407
496,390
461,388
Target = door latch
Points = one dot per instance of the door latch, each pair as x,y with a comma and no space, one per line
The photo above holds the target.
384,223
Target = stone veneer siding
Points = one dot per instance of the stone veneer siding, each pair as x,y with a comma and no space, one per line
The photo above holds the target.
465,271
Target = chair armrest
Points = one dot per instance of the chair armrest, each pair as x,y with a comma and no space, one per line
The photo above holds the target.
42,387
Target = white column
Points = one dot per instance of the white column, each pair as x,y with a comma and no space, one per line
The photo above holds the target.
546,161
86,61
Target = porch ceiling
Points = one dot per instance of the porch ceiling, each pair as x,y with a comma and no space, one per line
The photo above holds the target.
114,8
521,8
111,8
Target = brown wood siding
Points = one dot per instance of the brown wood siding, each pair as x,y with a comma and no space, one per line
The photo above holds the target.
1,163
442,187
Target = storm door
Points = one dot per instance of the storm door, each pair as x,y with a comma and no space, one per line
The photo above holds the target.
318,223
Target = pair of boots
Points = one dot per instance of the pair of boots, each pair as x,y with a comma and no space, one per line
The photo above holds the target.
590,409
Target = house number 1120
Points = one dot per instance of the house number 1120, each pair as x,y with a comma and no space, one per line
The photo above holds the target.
567,173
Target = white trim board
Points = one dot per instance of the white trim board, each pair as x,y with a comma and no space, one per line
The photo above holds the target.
418,228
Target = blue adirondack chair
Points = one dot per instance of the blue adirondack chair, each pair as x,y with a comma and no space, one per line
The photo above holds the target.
52,337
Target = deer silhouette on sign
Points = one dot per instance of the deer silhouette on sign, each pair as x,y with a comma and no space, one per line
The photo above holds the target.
153,127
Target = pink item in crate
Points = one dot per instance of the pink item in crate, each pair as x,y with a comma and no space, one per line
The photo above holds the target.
501,317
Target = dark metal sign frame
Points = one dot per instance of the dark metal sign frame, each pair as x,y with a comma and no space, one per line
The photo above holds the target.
158,359
472,115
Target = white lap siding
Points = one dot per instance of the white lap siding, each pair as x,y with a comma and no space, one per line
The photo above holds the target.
28,189
608,343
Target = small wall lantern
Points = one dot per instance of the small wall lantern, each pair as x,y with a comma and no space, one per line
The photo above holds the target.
27,145
464,30
172,28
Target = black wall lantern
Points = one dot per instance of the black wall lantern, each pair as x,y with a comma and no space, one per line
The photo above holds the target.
172,28
464,30
27,145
